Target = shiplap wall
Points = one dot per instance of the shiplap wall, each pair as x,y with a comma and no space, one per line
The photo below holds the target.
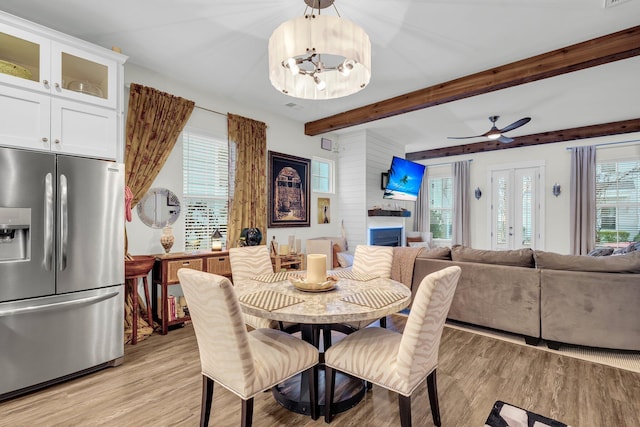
363,157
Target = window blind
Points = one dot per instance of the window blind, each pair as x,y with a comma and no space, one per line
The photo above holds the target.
205,188
617,203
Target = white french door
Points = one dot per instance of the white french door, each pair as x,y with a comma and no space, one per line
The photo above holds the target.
517,208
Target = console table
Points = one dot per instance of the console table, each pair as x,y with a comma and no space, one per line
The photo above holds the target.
165,274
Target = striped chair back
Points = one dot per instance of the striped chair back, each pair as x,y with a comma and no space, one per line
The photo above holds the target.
249,261
374,260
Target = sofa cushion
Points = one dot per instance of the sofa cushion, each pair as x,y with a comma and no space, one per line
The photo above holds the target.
436,253
516,258
629,263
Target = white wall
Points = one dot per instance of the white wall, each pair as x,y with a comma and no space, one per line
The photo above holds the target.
363,156
557,161
283,135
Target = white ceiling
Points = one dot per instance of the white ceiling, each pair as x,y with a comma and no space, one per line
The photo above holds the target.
220,47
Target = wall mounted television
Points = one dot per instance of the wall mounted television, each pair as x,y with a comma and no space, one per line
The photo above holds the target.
405,178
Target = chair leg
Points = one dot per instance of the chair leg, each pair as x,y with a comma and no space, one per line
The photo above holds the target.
433,398
207,397
404,402
313,393
383,322
247,413
329,382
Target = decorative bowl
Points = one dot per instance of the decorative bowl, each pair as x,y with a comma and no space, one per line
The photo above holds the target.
301,284
85,87
141,264
14,70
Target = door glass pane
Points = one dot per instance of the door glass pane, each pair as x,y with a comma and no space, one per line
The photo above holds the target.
527,211
19,58
502,211
84,76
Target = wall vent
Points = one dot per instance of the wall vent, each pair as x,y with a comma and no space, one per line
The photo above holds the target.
611,3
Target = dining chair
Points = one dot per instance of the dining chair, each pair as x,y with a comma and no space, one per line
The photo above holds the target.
399,362
372,260
245,363
248,262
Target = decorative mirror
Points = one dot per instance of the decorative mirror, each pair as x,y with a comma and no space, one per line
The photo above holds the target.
158,208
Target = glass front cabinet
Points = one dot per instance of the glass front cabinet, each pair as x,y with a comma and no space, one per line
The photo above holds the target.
58,93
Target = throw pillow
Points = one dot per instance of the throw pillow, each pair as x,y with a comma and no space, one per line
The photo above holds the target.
345,259
414,239
606,251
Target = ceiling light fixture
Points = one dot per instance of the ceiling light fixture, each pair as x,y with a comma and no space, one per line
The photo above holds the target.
318,56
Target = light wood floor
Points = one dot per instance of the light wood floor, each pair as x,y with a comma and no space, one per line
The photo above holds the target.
159,385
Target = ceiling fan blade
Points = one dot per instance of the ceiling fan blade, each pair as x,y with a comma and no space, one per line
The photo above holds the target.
516,124
505,139
464,137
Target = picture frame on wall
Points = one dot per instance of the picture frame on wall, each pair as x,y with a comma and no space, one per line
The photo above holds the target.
324,210
289,191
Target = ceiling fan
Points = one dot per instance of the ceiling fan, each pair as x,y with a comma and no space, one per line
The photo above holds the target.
495,133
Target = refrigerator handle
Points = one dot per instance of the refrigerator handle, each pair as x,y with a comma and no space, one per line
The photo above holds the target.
57,305
48,221
64,223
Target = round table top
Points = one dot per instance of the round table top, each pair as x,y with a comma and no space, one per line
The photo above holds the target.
324,307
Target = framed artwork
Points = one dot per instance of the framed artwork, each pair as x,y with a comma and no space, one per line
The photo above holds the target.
289,192
324,210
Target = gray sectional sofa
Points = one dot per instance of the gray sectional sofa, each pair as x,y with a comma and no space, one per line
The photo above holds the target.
583,300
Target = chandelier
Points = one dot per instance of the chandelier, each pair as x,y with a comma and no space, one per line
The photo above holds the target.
318,56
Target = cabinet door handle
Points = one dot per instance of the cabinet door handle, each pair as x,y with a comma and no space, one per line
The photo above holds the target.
57,141
45,139
45,82
57,85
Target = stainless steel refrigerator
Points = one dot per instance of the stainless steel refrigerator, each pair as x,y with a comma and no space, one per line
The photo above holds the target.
61,267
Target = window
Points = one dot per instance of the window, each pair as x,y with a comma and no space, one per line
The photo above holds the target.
321,175
205,187
617,203
440,206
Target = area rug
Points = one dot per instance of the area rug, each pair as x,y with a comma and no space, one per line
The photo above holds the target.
507,415
627,360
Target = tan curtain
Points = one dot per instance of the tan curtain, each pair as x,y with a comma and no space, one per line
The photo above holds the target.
154,122
248,203
583,200
461,235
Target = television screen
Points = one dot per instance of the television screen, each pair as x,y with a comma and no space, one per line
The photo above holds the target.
405,178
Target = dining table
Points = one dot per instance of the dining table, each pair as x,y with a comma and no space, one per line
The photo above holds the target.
352,298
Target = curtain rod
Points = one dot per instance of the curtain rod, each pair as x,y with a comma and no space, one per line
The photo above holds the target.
446,163
128,86
609,143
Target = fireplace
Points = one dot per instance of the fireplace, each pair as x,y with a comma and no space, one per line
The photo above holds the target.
387,236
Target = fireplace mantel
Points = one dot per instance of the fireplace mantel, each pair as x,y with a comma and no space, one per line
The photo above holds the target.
382,212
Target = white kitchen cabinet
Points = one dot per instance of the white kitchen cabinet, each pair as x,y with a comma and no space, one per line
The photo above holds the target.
62,94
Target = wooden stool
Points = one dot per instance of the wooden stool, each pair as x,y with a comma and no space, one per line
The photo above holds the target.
132,283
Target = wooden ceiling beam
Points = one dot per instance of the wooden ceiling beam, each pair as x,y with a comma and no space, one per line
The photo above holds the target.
584,132
613,47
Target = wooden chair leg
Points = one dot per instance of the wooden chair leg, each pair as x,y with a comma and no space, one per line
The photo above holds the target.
207,397
313,393
329,382
404,403
247,413
433,398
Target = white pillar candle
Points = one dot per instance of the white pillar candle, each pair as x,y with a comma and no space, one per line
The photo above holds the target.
316,268
284,249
